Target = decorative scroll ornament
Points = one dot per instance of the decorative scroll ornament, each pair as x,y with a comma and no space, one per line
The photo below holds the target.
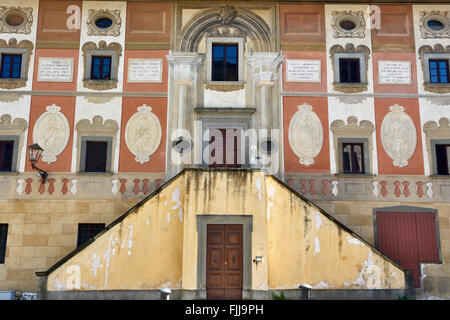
143,134
398,135
113,15
355,18
227,14
51,132
306,134
25,16
441,16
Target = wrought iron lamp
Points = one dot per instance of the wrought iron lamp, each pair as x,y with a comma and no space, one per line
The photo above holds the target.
35,152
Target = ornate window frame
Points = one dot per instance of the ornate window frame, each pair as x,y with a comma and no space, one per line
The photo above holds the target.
228,37
114,50
94,15
97,130
441,16
353,132
425,54
362,53
357,17
25,12
25,48
436,134
14,130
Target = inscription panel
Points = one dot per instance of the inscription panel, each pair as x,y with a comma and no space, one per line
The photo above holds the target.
394,72
145,70
55,70
303,71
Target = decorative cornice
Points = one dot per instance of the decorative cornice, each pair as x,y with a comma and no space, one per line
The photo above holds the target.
442,129
18,124
97,126
364,128
224,87
350,87
25,13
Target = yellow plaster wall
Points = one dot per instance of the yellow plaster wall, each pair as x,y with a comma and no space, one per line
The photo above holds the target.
306,247
156,245
144,251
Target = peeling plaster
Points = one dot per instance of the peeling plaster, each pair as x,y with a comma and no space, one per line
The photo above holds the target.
321,284
95,263
316,245
270,198
258,186
354,241
176,198
318,220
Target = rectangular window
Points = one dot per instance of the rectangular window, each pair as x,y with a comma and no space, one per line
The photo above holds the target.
349,71
87,231
96,156
439,71
101,68
3,236
225,62
353,157
10,66
443,158
6,155
409,238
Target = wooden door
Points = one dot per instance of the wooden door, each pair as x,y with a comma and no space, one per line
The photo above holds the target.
230,148
224,261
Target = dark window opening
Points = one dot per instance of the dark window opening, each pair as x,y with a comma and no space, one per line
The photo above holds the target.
101,68
409,238
96,156
439,71
443,159
435,25
6,155
87,231
349,71
225,62
3,236
353,157
11,65
103,23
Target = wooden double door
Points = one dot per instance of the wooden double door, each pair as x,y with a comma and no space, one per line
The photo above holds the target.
224,271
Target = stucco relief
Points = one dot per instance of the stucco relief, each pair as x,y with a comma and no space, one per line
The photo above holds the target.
143,134
356,22
94,15
436,33
306,134
398,136
51,132
24,19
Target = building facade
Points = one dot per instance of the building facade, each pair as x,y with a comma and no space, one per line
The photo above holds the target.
347,104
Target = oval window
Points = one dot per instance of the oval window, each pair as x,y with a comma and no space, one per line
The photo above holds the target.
15,20
435,25
347,25
103,23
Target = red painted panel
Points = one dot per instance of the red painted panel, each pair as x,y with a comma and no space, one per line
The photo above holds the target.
385,163
291,161
409,238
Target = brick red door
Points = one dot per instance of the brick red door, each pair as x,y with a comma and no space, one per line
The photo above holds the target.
229,149
224,261
408,238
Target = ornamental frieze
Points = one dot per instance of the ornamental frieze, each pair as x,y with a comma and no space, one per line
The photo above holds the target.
398,136
143,134
306,134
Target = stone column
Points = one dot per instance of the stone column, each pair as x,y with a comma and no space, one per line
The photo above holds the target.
183,77
264,69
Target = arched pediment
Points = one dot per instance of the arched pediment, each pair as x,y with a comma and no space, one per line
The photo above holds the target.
246,22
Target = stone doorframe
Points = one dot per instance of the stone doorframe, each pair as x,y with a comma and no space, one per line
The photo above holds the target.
247,229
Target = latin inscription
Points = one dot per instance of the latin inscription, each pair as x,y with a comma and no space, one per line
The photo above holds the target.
145,70
55,70
394,72
303,70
